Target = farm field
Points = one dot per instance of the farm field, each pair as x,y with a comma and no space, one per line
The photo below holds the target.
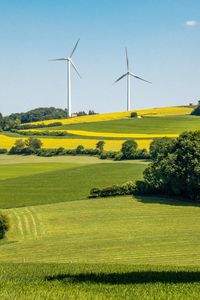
157,112
147,125
72,143
98,281
41,183
62,245
114,129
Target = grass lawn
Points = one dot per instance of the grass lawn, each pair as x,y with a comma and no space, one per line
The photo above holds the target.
98,281
78,248
113,230
148,125
33,184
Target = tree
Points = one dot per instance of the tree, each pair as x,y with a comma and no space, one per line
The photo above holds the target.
134,114
39,114
129,149
79,149
18,147
100,146
33,144
160,146
196,111
175,171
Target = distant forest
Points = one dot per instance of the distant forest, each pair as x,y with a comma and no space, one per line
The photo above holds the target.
34,115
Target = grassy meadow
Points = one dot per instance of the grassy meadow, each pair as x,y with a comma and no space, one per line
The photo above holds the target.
62,245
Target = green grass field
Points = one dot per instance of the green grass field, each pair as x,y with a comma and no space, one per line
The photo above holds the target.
98,281
62,245
34,184
148,125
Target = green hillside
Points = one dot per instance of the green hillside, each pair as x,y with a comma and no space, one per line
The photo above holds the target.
148,125
33,184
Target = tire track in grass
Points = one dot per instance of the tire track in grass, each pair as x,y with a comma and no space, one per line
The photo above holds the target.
37,224
19,226
31,224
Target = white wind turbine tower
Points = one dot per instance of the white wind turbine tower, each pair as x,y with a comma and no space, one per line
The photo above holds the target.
69,64
128,74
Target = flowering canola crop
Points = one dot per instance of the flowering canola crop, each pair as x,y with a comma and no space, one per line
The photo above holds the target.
114,145
157,112
119,135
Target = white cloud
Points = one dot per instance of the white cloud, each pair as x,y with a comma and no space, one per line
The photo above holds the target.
191,23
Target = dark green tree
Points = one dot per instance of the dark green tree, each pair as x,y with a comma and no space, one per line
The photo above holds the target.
175,169
129,149
79,149
196,111
100,146
33,144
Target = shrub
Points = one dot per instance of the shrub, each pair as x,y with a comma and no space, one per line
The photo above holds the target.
3,151
18,147
108,155
115,190
134,114
29,146
142,154
41,133
94,193
4,225
41,125
118,156
51,152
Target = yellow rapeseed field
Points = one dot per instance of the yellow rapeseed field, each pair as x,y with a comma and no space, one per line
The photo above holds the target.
115,145
163,111
119,135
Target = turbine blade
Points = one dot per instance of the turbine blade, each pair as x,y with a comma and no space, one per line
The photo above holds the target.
58,59
74,48
127,61
75,68
137,77
120,77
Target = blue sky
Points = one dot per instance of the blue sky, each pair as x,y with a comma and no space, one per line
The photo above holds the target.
162,48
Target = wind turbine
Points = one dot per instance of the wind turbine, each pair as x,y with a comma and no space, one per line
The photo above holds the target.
128,74
69,64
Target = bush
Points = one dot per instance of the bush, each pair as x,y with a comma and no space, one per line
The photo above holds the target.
41,133
115,190
51,152
94,193
41,125
4,225
134,114
118,156
3,151
27,147
142,154
108,155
